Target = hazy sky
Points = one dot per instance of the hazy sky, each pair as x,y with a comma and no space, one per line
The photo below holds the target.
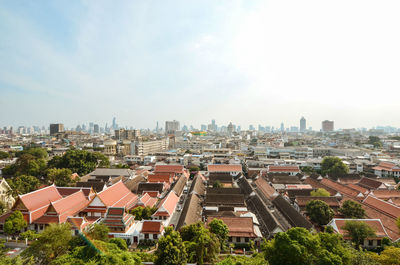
249,62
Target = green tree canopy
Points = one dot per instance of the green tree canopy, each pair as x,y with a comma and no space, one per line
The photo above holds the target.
298,246
23,184
217,184
14,223
4,155
98,232
60,177
80,161
375,141
120,243
143,213
352,209
171,250
389,256
220,229
37,152
319,212
333,166
321,192
52,243
358,231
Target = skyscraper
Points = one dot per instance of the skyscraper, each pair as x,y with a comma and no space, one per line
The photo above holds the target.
56,128
303,124
282,127
327,126
171,127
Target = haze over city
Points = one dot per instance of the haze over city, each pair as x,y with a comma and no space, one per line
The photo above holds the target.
249,62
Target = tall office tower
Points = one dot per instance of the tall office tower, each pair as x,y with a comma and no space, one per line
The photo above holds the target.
114,125
303,124
327,126
203,127
96,128
282,127
230,128
56,128
157,129
171,127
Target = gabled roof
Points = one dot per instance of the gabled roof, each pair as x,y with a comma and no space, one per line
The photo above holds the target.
160,177
167,205
180,185
191,212
66,191
342,188
266,189
97,186
197,185
152,227
382,206
179,169
386,194
291,214
331,201
375,224
370,183
117,218
387,166
118,195
224,168
39,198
237,226
112,172
145,186
283,168
146,200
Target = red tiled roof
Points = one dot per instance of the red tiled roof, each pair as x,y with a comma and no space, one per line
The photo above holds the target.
387,166
118,195
375,224
167,205
386,194
237,226
358,188
160,177
265,188
331,201
224,168
152,227
316,184
39,198
66,191
283,168
169,168
146,200
385,207
341,188
369,183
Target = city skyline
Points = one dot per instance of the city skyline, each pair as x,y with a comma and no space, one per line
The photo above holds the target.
246,62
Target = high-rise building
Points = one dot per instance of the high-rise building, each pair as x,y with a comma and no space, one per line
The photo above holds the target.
56,128
303,124
230,128
327,126
282,127
203,127
171,127
96,128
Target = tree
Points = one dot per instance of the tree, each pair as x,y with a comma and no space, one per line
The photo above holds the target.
3,207
352,209
4,155
319,212
171,250
298,246
321,192
375,141
23,184
120,243
52,243
30,235
358,231
389,256
37,152
14,223
220,229
98,232
60,177
333,166
80,161
143,213
217,184
201,244
243,260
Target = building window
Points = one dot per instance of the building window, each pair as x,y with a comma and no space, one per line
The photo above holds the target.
379,242
146,236
238,239
246,239
370,242
1,227
155,236
230,239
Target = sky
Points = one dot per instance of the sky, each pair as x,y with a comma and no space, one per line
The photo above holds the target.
249,62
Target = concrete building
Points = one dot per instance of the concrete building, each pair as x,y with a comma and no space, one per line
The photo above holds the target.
327,126
171,127
122,134
56,128
303,124
143,148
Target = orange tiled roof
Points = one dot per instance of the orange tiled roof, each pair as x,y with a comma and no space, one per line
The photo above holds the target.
118,195
224,168
341,188
375,224
283,168
169,168
385,207
152,227
40,198
167,205
238,226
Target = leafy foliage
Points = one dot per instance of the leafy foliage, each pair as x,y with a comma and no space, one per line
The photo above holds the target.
80,161
352,209
14,223
217,184
52,243
358,231
4,155
60,177
98,232
333,166
321,192
220,229
171,250
30,235
243,260
319,212
120,243
143,213
23,184
390,256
